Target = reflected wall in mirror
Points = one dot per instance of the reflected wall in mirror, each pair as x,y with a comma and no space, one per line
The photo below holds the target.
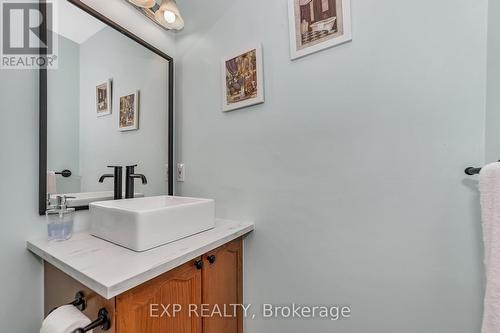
107,82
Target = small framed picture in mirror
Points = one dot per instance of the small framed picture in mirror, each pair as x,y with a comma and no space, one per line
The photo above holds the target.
103,98
129,112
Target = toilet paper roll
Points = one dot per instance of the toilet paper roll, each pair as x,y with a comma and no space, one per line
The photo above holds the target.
64,319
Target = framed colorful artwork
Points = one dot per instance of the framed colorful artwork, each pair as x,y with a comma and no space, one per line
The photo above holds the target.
316,25
129,112
243,79
103,98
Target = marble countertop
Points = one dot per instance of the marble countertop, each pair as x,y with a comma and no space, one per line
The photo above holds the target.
110,270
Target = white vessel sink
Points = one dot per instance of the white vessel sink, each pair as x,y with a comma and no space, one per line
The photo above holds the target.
144,223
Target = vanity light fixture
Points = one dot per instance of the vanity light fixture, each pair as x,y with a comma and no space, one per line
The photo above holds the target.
163,12
169,15
143,3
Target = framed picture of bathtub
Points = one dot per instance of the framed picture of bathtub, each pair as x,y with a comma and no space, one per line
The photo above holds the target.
243,79
103,98
129,112
316,25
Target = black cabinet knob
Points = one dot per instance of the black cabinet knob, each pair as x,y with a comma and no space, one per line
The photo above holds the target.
211,259
198,264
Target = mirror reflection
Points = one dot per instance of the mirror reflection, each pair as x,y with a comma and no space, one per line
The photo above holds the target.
107,98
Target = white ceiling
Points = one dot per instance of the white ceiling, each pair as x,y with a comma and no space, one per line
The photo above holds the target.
73,23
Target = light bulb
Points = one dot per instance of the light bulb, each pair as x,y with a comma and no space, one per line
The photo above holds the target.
170,17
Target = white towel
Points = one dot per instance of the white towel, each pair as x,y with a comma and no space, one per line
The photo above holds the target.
51,182
489,186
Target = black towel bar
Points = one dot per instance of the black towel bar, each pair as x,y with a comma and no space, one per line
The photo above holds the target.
65,173
472,171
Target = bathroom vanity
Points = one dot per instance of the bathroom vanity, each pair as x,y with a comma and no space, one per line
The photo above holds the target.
137,287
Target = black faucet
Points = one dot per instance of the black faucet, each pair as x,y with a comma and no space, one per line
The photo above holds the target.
129,181
118,180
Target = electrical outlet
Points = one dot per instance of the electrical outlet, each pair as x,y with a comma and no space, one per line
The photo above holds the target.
181,172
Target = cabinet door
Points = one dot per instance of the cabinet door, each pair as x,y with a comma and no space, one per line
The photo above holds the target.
141,310
222,288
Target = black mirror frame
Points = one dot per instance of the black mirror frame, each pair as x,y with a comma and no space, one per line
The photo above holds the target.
42,185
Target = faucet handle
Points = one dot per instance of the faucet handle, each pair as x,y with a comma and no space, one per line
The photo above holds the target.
131,169
117,169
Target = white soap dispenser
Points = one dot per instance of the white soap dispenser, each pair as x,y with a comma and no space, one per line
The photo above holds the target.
60,220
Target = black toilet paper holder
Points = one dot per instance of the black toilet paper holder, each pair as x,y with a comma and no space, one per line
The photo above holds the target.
79,302
102,321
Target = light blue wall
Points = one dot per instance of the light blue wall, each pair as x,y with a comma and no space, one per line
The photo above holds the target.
493,101
63,105
109,54
21,273
353,168
359,180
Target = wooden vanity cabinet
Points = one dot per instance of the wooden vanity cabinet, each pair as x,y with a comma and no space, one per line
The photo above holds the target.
149,307
222,287
209,284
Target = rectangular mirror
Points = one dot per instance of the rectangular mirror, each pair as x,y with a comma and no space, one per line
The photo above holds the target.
107,107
